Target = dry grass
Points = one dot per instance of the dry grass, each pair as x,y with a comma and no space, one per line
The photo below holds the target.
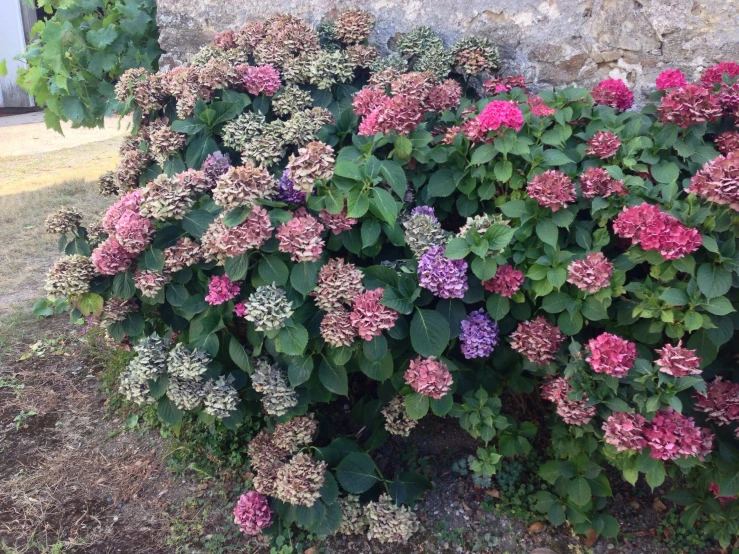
27,250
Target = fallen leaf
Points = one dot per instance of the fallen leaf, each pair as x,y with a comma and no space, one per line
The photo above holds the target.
310,550
658,505
591,538
494,493
537,527
542,550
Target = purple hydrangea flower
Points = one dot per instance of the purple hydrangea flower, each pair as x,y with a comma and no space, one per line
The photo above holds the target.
286,191
444,277
480,335
423,210
215,165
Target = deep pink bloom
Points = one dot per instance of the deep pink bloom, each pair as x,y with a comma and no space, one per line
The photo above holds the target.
573,412
401,113
718,180
444,96
301,237
591,274
715,73
538,107
714,488
727,142
262,79
369,317
110,257
678,361
689,105
133,231
596,181
625,431
671,78
500,113
537,340
221,289
720,403
653,229
496,85
368,99
506,281
613,93
130,201
338,223
603,144
252,513
671,435
225,40
552,189
612,355
429,377
240,309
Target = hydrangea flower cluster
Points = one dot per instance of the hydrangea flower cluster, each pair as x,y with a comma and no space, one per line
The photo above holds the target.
625,431
338,284
337,223
595,181
479,336
262,79
720,403
252,513
165,198
610,354
220,242
715,74
498,114
221,289
718,180
445,278
299,481
268,307
369,317
539,108
475,55
590,274
671,435
314,162
537,340
506,281
70,276
652,229
243,185
63,221
286,191
671,78
337,329
277,395
552,189
689,105
423,230
727,142
678,361
429,377
301,237
496,85
149,282
397,421
613,93
573,412
603,144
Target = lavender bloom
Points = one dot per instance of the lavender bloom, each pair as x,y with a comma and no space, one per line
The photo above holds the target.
444,277
480,335
215,165
286,191
424,210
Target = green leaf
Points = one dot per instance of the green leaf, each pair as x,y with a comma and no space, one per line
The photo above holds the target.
570,324
675,297
556,157
198,150
498,306
483,154
457,248
713,280
593,309
556,302
168,412
292,339
73,109
237,267
273,270
416,405
403,147
514,208
334,378
238,355
375,349
556,514
499,236
299,370
408,487
103,37
154,259
656,475
370,232
379,370
357,473
443,405
579,491
357,203
429,333
304,276
384,203
547,231
664,171
442,183
395,177
90,303
503,170
718,306
197,221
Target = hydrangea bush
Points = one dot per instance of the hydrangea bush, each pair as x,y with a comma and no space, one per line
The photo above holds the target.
301,222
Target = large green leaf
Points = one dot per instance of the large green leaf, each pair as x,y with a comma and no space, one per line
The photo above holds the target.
357,473
408,487
273,270
713,280
395,177
442,183
292,339
429,333
334,377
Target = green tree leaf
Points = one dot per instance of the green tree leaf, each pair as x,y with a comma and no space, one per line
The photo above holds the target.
713,280
429,333
334,378
292,339
357,473
416,405
273,270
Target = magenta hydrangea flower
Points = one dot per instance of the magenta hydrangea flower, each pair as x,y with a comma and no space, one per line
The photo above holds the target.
671,78
612,355
720,403
133,231
591,274
595,181
444,96
368,100
718,180
538,107
613,93
444,277
573,412
429,377
337,223
727,142
506,281
479,336
262,79
369,317
652,229
625,431
671,435
500,113
678,361
301,237
689,105
110,257
552,189
221,289
240,309
252,513
715,74
128,202
537,340
603,144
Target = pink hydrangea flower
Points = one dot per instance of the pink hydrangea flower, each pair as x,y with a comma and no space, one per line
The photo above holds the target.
689,105
552,189
718,180
368,99
369,317
715,73
401,113
500,113
429,377
591,274
130,201
727,142
252,513
221,289
110,257
625,431
506,281
262,79
671,78
496,85
537,340
133,231
720,403
671,435
595,181
538,107
240,309
678,361
337,223
714,488
653,229
301,237
573,412
444,96
603,144
612,355
613,93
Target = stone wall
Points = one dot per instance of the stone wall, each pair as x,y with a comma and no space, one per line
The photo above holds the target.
552,42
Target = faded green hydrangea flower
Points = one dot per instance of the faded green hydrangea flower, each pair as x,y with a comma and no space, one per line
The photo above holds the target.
353,521
291,100
238,132
186,395
184,363
389,522
277,395
69,276
418,41
221,398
